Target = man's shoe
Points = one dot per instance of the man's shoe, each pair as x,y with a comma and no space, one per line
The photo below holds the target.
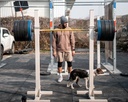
60,79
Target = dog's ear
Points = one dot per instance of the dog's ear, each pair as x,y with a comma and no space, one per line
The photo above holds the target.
99,71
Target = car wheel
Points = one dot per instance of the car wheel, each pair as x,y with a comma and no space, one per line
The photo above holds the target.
12,51
1,57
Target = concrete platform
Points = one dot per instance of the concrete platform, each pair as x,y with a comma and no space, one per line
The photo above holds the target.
18,76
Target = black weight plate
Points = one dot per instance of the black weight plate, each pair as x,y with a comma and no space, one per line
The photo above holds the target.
21,30
26,31
14,29
103,30
17,31
107,30
110,24
113,30
110,31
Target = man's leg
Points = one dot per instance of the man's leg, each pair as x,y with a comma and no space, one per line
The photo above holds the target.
60,71
69,68
60,61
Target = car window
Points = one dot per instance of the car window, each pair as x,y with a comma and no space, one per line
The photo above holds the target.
5,31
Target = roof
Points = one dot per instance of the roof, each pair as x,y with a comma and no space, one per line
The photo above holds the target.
69,5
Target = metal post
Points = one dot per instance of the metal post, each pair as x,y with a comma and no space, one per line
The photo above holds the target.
91,55
51,27
106,47
37,91
114,42
98,51
37,57
0,37
91,91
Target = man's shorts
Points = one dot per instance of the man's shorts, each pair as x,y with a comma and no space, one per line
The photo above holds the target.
64,56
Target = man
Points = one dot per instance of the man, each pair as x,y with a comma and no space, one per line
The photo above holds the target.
63,47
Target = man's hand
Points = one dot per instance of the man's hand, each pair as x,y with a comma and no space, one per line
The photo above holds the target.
54,54
73,53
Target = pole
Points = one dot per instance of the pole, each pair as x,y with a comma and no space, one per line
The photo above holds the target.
0,37
91,55
37,57
114,42
106,43
51,27
98,51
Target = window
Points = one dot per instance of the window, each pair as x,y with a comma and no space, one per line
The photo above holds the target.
5,31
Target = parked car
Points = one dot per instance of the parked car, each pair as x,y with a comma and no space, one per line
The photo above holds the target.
7,42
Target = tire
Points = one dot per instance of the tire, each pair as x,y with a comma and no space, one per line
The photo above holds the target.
1,57
12,51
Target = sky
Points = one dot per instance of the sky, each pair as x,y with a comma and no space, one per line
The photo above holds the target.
83,11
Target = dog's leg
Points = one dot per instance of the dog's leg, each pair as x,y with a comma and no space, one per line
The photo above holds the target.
71,84
86,83
77,82
74,82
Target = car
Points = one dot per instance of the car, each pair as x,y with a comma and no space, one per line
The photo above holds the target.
7,42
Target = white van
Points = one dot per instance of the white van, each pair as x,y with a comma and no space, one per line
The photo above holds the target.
7,42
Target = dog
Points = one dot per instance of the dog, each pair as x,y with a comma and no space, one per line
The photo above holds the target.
75,75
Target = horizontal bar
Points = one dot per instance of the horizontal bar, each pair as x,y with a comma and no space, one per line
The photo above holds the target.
41,92
93,100
49,30
85,92
79,5
38,100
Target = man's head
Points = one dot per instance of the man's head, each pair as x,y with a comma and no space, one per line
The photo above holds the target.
63,21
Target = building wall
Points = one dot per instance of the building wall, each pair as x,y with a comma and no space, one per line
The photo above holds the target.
59,10
42,7
6,11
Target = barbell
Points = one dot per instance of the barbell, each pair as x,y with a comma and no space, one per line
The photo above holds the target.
23,30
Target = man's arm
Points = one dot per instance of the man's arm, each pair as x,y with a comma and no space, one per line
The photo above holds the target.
54,44
72,43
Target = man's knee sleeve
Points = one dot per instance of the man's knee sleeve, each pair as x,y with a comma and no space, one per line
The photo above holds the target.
59,64
69,64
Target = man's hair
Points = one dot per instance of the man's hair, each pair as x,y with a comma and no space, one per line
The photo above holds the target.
63,20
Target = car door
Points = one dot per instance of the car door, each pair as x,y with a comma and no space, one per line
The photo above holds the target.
6,39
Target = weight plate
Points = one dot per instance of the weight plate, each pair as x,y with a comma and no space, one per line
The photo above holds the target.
99,29
30,36
21,30
113,31
107,33
103,30
17,31
110,31
26,31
